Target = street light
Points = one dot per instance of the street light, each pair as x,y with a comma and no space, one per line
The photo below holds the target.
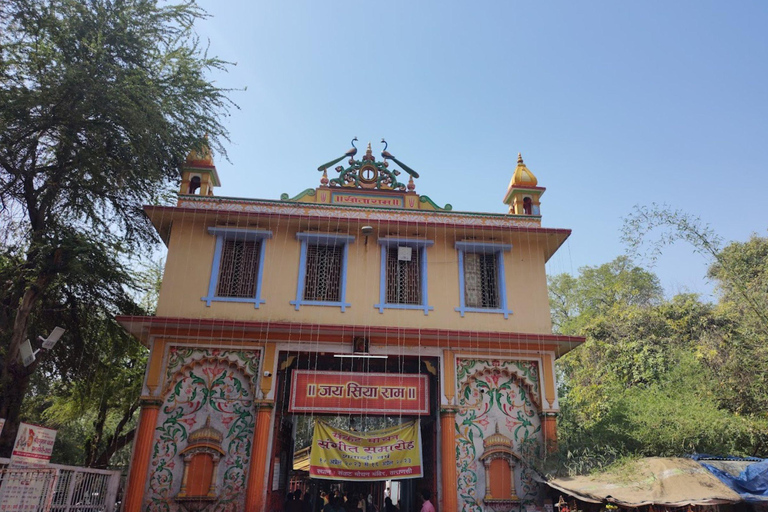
50,341
25,349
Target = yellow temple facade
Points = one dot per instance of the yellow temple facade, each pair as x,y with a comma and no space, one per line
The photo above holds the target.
360,278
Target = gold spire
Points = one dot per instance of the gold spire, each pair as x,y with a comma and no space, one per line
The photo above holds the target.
523,176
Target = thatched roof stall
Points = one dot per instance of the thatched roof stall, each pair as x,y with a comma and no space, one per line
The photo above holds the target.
657,481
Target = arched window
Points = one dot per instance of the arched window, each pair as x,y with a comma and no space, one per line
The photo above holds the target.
527,206
194,184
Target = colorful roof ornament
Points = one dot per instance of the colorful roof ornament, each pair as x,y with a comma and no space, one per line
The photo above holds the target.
367,172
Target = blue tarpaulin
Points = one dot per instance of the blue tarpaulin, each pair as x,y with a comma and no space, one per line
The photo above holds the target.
746,476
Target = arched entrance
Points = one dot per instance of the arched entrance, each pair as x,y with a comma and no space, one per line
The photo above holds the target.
294,427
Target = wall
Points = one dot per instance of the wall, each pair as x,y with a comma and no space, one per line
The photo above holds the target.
202,383
495,393
191,249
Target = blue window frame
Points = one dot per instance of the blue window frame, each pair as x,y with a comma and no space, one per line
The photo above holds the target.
403,285
482,286
238,265
322,270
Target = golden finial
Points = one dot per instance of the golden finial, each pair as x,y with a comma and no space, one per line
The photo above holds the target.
520,159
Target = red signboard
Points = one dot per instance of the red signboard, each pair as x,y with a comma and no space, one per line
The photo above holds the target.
359,393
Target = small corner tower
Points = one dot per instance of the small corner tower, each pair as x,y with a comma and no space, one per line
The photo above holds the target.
523,195
198,173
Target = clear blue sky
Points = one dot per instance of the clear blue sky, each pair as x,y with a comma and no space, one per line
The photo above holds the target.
611,103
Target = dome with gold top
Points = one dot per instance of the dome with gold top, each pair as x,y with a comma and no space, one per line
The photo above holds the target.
524,193
523,177
198,172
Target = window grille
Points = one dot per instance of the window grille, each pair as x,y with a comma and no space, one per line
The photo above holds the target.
239,268
403,278
481,286
323,281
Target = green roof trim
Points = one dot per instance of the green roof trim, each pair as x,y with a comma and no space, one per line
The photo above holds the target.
426,199
307,192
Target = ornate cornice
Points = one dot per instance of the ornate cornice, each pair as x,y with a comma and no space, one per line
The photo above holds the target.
293,208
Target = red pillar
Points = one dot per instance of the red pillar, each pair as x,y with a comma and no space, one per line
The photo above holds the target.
448,455
142,450
255,492
549,426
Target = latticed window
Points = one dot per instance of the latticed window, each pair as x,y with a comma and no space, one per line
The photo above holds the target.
239,268
481,285
323,276
403,275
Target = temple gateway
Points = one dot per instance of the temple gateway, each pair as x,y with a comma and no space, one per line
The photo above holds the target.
355,339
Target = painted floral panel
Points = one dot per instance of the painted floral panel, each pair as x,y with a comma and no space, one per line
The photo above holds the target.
495,393
204,383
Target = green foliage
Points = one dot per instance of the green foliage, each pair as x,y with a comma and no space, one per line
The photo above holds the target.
651,228
738,357
680,414
100,102
737,352
575,301
657,377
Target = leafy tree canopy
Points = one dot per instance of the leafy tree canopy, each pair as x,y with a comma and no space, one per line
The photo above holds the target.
100,101
657,377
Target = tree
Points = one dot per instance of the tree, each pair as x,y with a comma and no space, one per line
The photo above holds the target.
738,355
100,101
598,290
94,404
739,358
671,226
654,376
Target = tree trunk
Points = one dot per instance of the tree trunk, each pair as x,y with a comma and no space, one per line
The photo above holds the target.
12,397
115,444
117,440
14,378
93,442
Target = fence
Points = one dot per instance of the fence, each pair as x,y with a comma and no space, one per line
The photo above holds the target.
78,489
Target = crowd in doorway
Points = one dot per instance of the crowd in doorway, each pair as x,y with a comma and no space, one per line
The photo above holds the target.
335,501
348,502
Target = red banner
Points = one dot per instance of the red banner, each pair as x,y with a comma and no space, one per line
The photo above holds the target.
356,393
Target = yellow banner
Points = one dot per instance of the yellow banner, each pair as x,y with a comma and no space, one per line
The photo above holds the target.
390,453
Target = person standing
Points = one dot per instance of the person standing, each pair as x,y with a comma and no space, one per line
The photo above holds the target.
427,505
294,504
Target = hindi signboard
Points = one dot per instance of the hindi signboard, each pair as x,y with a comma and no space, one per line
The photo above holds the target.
33,445
391,453
376,199
354,393
27,489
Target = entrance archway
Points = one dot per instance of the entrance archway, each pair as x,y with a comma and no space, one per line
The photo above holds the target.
293,430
